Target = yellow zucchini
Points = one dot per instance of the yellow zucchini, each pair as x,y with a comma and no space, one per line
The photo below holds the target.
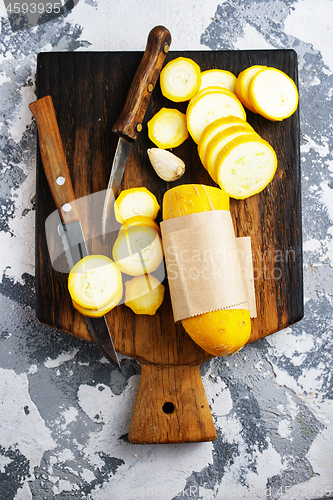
216,145
273,94
180,79
221,332
214,128
219,78
208,106
243,83
167,128
138,250
135,201
245,166
144,294
97,313
94,282
141,220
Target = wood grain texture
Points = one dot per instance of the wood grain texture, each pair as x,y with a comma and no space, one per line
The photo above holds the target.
171,406
89,90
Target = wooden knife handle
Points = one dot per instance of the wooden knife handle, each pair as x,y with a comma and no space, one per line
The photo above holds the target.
53,158
129,122
171,406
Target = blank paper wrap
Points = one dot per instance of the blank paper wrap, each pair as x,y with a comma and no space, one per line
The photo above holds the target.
208,267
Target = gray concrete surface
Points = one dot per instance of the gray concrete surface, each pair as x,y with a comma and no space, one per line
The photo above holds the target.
64,414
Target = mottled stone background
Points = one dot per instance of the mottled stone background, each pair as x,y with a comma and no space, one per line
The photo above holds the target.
64,414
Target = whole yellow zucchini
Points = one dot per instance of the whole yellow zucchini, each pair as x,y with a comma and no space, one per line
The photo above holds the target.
221,332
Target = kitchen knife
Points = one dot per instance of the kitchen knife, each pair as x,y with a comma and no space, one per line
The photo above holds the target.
129,123
70,229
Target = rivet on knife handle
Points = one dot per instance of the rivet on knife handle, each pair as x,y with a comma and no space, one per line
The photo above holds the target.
146,76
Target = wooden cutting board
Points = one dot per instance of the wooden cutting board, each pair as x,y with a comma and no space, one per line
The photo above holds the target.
88,90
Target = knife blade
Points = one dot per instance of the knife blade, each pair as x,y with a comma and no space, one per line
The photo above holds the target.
70,229
129,123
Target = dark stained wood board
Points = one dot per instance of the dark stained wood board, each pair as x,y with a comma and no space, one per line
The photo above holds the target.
88,90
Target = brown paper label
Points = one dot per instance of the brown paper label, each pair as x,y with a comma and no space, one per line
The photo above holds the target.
246,262
205,264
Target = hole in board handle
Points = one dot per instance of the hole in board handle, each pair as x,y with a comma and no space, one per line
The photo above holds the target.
168,407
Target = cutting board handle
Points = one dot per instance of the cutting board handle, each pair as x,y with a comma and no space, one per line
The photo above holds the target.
171,407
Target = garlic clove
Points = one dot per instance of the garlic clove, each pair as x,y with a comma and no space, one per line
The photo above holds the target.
167,165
